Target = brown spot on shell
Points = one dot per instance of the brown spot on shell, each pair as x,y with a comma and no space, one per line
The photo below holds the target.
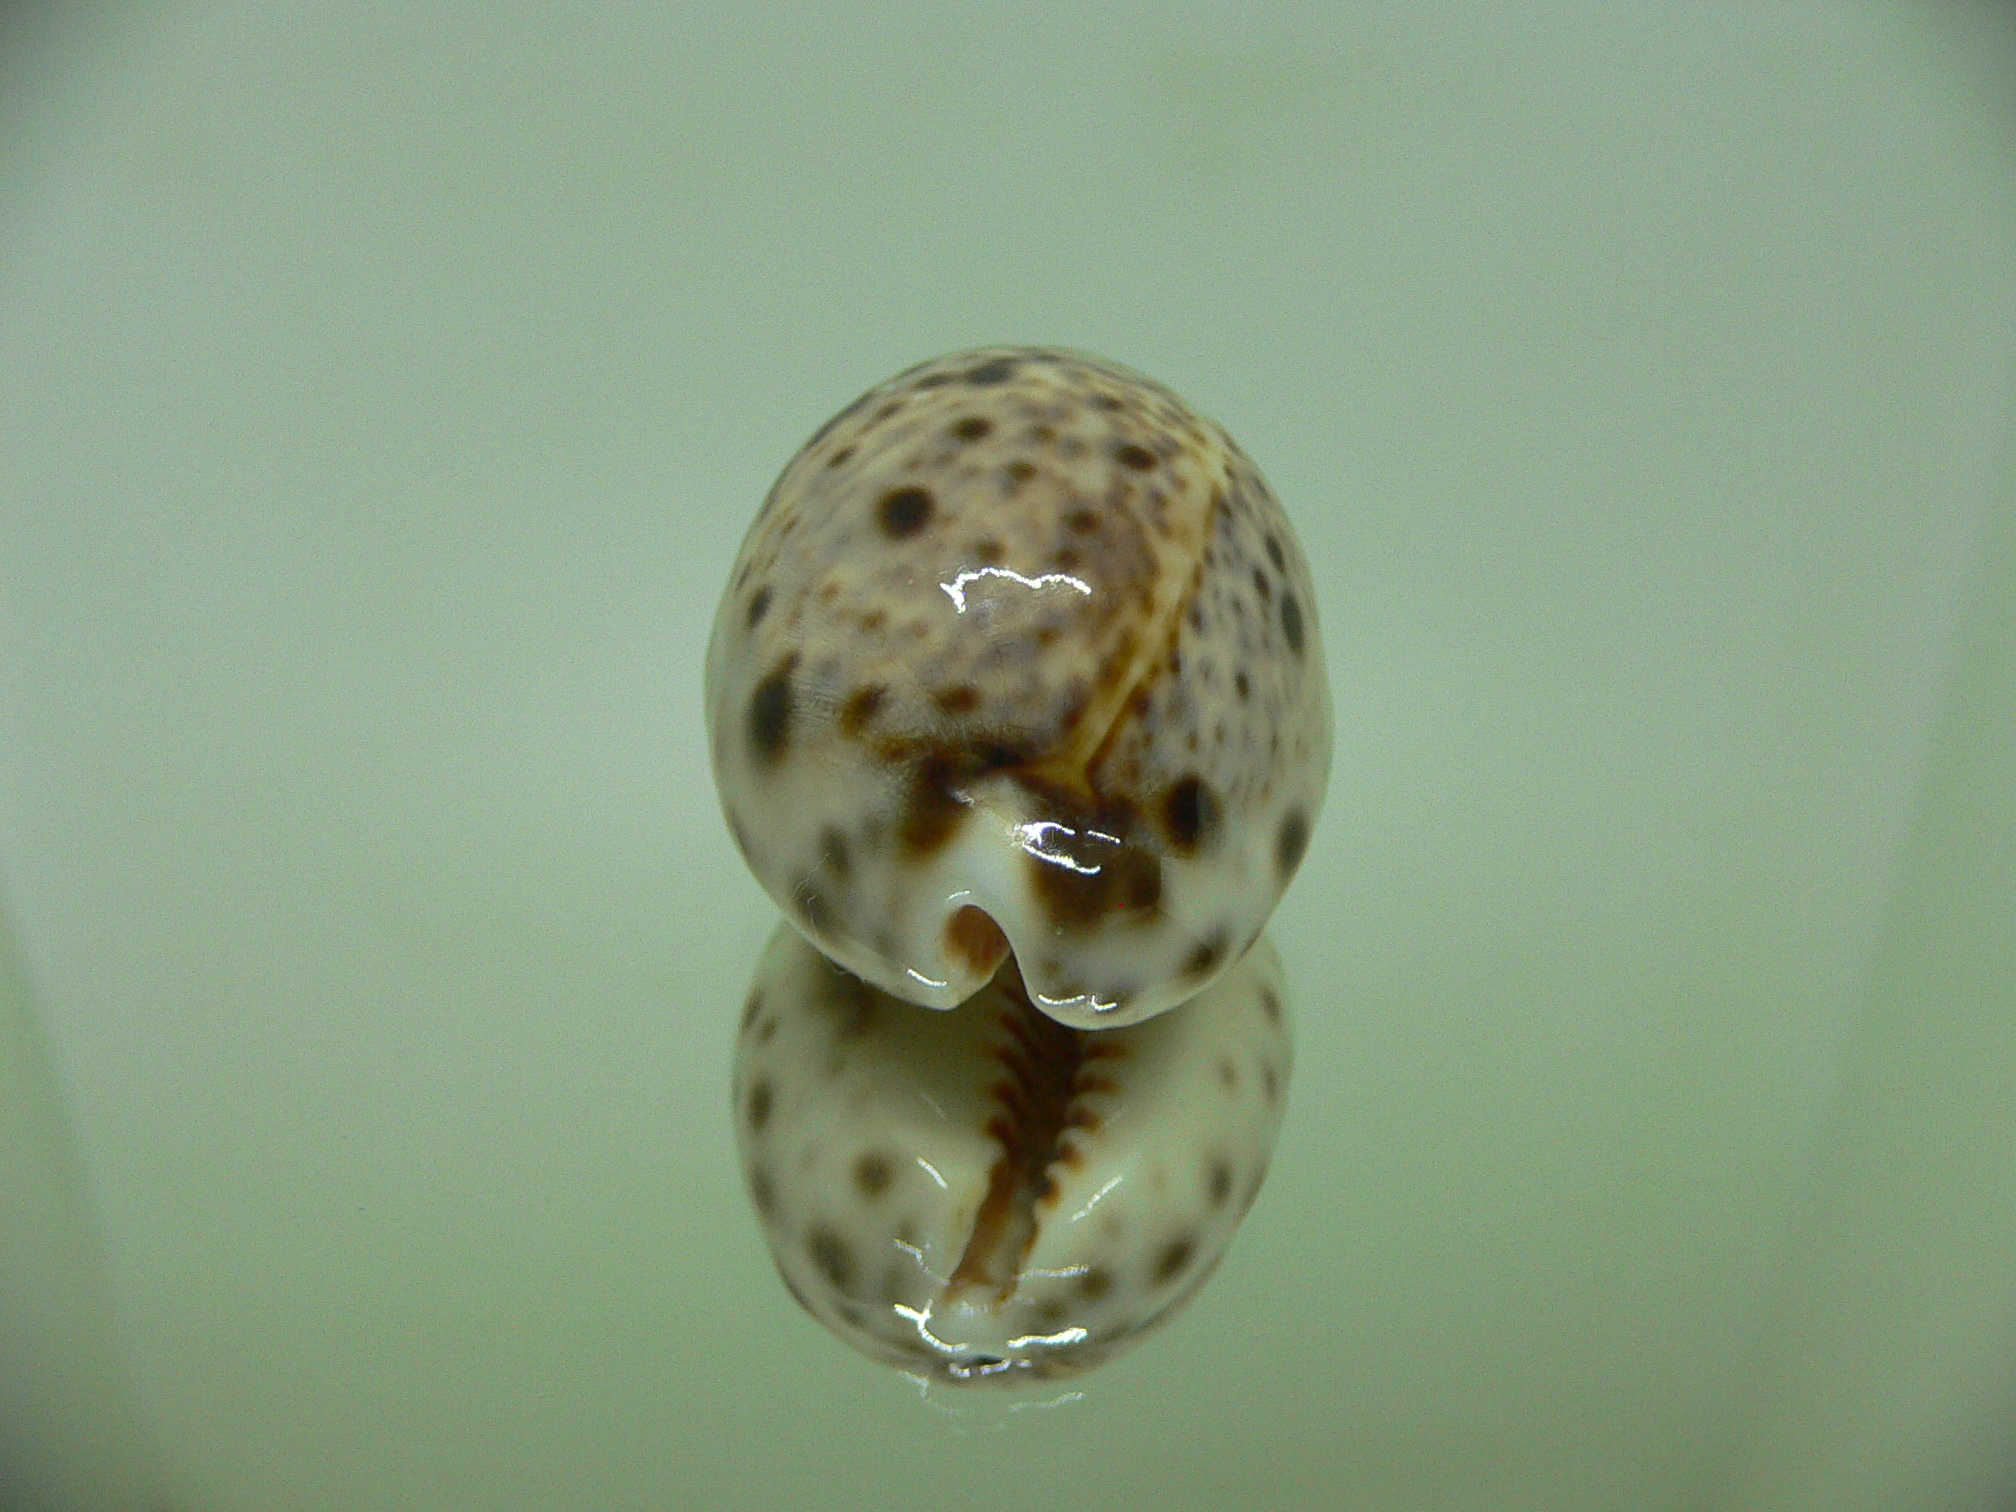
759,605
770,713
859,710
1109,879
763,1190
933,809
1174,1257
972,936
832,1255
962,699
995,370
1220,1184
1274,555
1128,454
761,1099
851,999
972,428
751,1008
1290,842
1190,814
1094,1283
833,854
1206,956
904,511
872,1173
1291,622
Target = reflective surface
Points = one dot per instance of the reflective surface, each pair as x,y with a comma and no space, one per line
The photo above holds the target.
384,394
986,1196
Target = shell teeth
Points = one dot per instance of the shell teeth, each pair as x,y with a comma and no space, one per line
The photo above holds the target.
986,1195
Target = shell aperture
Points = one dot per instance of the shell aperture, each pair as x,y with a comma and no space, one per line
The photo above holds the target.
986,1194
1020,655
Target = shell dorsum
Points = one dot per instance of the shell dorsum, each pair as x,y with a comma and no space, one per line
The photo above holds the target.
1022,654
985,1194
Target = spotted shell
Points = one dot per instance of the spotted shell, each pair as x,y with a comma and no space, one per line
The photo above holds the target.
1022,653
986,1194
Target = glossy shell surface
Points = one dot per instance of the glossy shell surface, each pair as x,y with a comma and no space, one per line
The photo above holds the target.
988,1195
1022,653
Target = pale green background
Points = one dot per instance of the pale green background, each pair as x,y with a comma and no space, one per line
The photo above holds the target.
383,393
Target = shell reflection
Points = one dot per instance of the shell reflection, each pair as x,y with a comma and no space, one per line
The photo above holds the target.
987,1194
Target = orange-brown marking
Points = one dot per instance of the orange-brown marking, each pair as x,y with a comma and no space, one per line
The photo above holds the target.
1042,1060
972,936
